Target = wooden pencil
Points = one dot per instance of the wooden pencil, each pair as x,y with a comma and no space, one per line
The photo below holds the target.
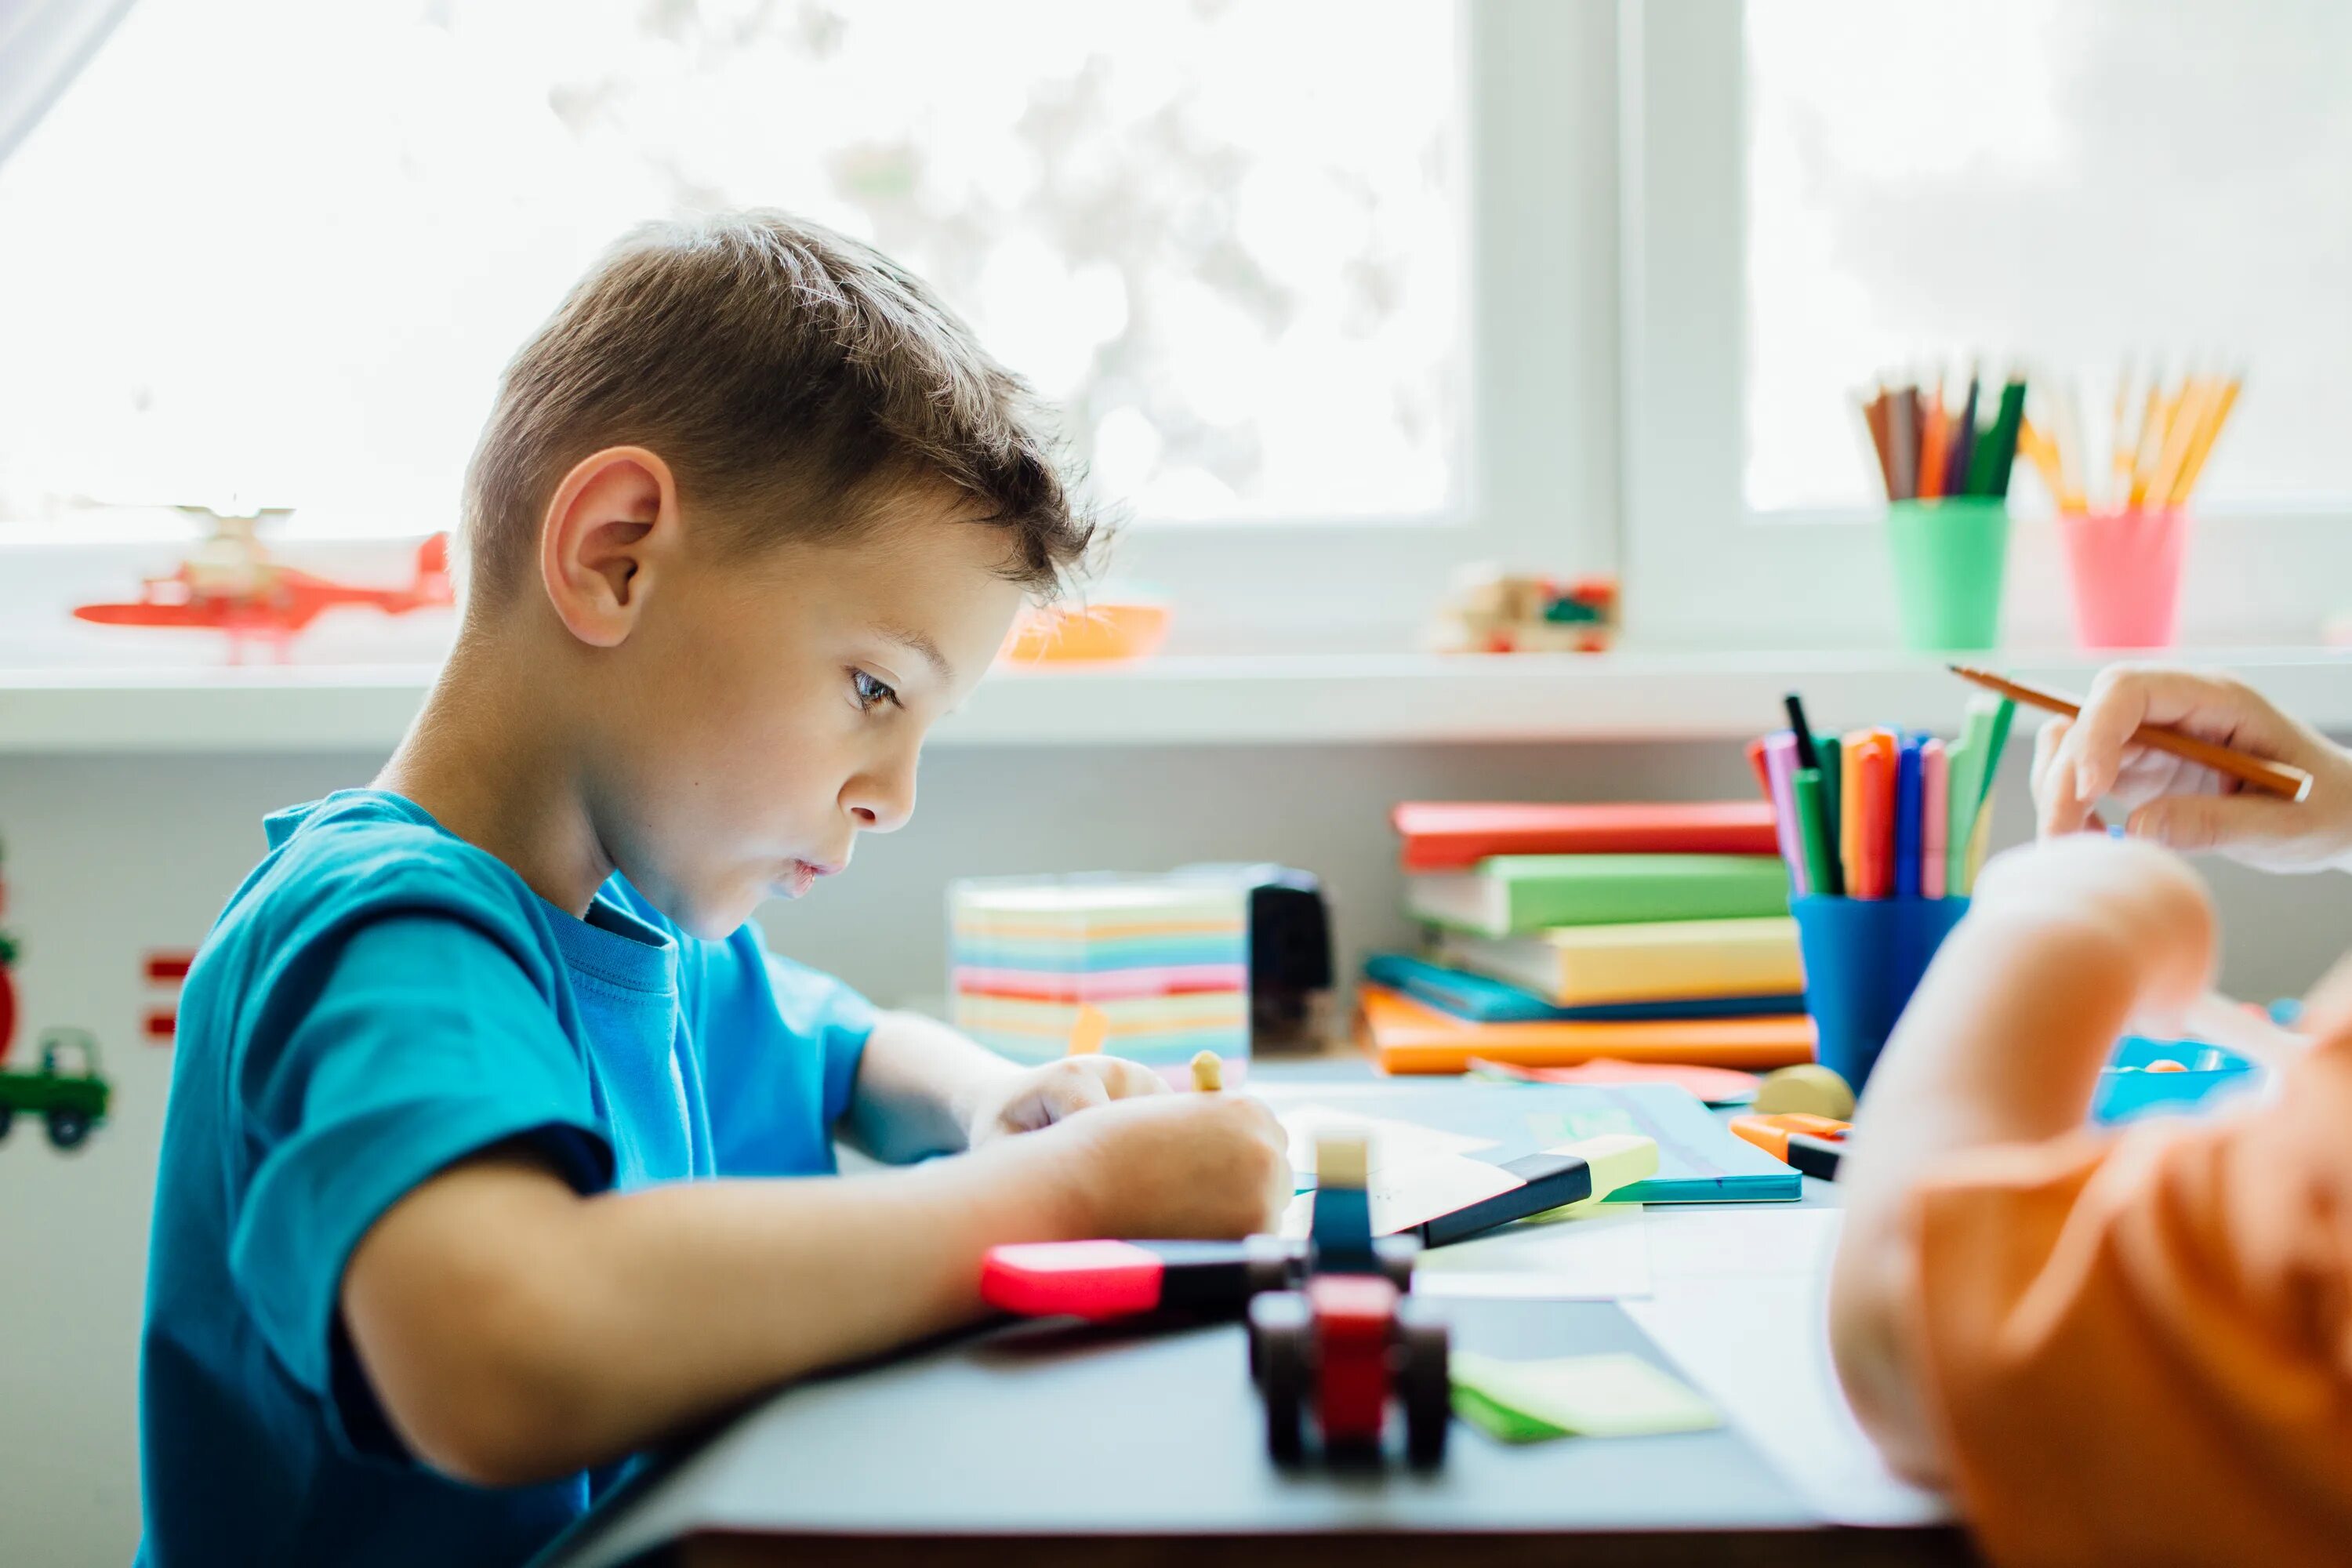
2189,418
2148,441
2260,773
1935,441
2225,400
1874,418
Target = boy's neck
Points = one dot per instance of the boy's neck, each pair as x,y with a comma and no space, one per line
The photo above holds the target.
492,765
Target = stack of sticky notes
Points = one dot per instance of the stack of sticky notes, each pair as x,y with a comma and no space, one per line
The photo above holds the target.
1157,967
1619,1395
1555,934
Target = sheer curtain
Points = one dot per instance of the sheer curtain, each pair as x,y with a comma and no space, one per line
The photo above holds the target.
42,44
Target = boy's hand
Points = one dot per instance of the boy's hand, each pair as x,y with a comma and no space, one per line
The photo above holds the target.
1211,1166
2185,806
2146,903
1039,1097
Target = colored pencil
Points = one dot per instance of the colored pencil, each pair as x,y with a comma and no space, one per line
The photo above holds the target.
1908,807
1820,869
1960,465
1902,443
1935,810
1780,767
1851,815
1935,447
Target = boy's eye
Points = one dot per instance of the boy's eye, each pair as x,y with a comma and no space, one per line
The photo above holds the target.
871,693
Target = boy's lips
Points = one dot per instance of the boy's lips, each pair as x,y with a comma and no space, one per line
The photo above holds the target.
802,875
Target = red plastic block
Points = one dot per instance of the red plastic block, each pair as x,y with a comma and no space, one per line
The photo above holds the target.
1355,1321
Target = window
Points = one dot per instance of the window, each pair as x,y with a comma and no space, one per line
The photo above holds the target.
1817,192
2075,182
1227,238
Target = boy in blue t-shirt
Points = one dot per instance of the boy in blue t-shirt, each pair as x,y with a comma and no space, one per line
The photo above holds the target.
468,1182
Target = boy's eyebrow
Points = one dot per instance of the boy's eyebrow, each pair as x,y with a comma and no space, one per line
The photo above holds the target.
922,645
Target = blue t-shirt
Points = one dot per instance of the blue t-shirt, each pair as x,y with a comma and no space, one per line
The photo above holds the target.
379,1000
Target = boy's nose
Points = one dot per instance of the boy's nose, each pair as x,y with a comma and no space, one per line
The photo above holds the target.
882,801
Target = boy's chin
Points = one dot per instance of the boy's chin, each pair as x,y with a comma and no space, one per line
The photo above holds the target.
721,915
710,914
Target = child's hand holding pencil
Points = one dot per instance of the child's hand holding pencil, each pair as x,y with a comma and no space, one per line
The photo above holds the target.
2186,804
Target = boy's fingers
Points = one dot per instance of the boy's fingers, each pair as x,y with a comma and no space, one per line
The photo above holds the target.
2055,803
1074,1087
1127,1079
2094,747
2214,707
2193,822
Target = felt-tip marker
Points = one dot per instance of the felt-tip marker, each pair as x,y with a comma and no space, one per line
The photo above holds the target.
1099,1280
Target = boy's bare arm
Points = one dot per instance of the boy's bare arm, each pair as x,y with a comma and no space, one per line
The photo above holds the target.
514,1330
924,1088
2003,1042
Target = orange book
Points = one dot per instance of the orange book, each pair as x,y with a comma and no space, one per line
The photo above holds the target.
1403,1036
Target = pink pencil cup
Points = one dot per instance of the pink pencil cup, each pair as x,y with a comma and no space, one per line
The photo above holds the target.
2126,567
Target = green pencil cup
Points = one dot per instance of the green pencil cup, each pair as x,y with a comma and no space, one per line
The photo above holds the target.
1949,559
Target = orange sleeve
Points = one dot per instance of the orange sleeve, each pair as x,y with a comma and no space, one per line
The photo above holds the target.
2138,1347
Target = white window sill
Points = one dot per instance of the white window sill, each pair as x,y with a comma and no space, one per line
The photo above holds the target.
1270,700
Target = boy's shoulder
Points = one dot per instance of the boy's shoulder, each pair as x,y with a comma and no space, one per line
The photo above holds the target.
362,855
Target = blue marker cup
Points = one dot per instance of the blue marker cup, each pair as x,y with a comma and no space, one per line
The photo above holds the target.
1864,958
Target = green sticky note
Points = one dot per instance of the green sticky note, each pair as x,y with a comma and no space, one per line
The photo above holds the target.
1618,1395
1499,1422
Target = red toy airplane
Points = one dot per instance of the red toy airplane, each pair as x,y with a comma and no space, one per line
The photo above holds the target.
231,586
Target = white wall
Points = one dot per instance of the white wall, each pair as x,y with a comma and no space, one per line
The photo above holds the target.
108,858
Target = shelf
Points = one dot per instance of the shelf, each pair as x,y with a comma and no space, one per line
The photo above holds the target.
1286,699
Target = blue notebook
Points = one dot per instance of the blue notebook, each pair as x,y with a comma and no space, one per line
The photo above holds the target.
1487,1001
1699,1159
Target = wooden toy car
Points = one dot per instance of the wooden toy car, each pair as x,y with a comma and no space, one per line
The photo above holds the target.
1352,1340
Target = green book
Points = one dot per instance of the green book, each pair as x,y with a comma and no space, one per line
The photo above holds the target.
1510,894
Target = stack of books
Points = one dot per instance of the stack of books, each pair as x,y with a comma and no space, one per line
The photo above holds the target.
1557,934
1164,961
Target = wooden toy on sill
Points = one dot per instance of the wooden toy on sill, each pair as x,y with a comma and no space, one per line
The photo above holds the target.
229,584
1491,611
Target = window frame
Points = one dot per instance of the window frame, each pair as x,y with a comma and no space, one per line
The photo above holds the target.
1537,477
1704,570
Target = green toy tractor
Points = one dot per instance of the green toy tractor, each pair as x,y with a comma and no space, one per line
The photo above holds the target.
67,1092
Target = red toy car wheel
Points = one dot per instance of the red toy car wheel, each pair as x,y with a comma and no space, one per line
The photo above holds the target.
1282,1356
1424,1383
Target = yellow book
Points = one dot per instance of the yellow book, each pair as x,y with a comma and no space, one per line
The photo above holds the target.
1580,966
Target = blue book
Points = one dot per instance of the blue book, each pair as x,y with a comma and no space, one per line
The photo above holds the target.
1906,819
1487,1001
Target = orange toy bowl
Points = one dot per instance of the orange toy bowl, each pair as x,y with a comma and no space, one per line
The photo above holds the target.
1088,632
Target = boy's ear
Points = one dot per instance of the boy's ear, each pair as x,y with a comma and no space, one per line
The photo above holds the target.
611,527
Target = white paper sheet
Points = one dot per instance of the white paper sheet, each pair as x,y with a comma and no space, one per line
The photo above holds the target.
1738,1301
1387,1142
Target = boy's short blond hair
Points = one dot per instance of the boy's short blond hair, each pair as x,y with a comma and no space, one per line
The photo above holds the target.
791,378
